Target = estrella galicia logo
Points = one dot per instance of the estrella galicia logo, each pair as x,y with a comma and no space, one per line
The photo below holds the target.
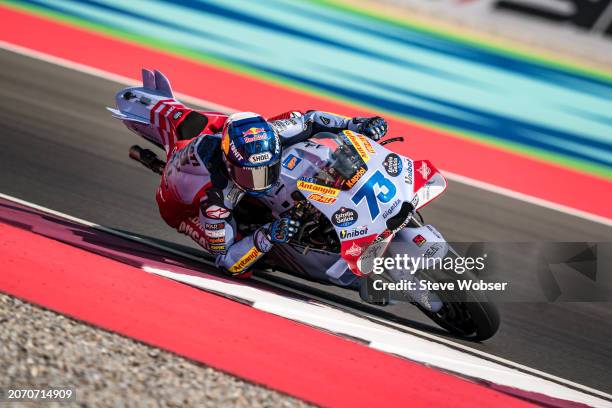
393,164
344,217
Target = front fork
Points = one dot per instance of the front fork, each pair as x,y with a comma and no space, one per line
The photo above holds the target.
413,245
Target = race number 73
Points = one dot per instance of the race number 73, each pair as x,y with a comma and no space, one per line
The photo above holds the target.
377,188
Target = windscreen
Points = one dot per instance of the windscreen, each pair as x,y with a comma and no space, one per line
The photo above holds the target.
345,166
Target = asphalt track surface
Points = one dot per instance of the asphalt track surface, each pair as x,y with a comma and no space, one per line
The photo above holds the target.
59,148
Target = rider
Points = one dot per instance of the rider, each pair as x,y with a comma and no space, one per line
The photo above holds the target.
207,175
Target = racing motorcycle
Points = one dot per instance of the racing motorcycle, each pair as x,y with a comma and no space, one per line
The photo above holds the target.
357,203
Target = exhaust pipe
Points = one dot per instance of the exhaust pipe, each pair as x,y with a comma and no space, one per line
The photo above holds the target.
147,158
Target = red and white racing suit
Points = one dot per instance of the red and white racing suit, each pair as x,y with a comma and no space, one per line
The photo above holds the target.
196,197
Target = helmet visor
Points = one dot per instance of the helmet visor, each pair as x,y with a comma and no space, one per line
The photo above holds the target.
255,178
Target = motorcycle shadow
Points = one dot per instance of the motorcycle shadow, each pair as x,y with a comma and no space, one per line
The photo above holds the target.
403,317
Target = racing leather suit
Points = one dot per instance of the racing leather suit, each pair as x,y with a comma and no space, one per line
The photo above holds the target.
197,198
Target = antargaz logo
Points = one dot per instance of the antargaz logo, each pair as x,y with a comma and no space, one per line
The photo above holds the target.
317,188
245,261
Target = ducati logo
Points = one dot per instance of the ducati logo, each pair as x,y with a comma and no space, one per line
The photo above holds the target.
424,170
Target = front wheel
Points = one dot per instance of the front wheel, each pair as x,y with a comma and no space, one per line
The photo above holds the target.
466,313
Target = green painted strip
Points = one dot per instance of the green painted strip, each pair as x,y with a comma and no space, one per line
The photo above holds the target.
468,39
171,48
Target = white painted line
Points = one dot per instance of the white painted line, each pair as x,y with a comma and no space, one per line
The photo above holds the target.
404,341
527,198
86,69
107,229
385,338
197,101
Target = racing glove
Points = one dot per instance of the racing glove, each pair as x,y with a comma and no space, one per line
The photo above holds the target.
280,231
277,232
374,128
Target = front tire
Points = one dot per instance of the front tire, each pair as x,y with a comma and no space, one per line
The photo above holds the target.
466,313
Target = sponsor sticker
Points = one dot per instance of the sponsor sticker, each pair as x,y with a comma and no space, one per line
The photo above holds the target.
433,249
354,233
354,139
344,217
366,143
260,157
322,199
215,234
246,260
305,185
216,240
214,227
354,250
253,131
216,247
393,164
353,180
216,212
424,170
434,231
291,161
177,115
235,151
255,138
390,210
408,176
419,240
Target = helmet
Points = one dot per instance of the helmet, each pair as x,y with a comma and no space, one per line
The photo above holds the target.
251,152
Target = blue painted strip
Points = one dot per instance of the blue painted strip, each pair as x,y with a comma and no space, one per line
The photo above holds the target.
409,72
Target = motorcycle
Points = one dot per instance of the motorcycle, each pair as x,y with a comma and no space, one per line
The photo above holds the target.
356,201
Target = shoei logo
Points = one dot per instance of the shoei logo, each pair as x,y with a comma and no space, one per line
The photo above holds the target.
260,157
354,233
